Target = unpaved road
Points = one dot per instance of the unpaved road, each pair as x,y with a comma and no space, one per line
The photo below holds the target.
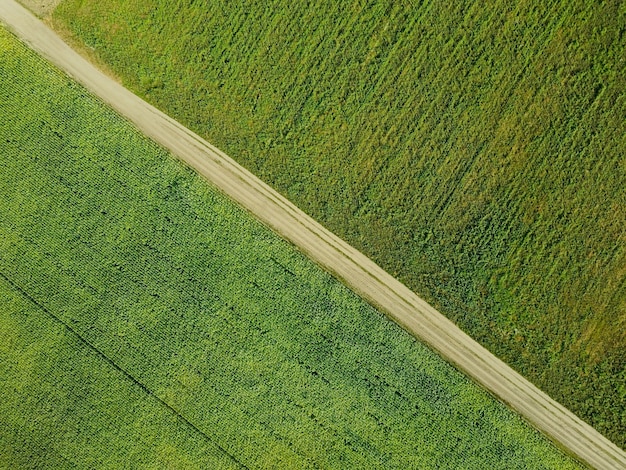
356,270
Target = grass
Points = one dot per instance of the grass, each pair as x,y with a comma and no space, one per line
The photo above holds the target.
146,320
476,151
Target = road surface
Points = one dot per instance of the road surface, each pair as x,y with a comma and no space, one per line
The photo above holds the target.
355,269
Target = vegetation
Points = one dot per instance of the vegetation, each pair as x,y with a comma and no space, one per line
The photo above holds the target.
63,404
146,320
476,151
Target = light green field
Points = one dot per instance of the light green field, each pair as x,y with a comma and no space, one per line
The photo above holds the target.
145,320
475,150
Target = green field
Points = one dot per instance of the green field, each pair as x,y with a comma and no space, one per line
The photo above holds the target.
474,150
146,320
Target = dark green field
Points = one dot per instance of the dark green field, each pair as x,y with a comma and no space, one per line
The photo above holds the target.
476,151
148,322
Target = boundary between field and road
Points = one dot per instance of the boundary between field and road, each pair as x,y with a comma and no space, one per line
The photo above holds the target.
357,271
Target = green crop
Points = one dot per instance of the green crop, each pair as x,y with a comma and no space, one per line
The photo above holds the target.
474,150
146,320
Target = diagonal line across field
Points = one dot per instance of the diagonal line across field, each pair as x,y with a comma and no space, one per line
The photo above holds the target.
356,270
122,371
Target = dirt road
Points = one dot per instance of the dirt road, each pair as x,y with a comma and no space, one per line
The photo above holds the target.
356,270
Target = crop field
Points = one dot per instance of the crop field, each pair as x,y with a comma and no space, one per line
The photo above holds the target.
146,320
475,151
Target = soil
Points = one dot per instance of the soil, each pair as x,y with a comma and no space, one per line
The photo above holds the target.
41,8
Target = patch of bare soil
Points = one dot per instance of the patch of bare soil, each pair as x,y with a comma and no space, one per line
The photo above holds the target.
41,8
